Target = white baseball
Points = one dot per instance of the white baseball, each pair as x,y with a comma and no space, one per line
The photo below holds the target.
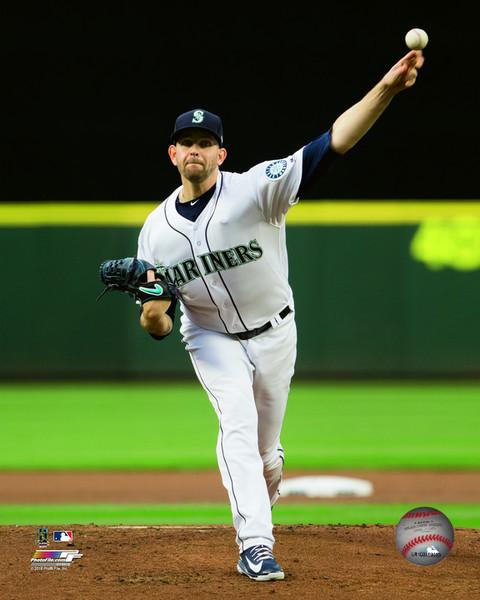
416,39
424,536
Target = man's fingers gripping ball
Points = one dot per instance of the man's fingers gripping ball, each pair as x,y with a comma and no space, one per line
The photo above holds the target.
404,73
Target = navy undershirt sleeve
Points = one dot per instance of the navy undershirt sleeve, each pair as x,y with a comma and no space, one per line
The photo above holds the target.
317,159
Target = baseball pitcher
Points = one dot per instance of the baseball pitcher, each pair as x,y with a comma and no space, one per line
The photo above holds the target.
216,246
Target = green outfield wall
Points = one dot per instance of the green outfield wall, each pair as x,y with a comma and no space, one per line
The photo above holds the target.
381,290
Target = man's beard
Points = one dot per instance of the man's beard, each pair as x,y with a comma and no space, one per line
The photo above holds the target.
196,176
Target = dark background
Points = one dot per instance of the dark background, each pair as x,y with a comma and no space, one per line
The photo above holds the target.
90,96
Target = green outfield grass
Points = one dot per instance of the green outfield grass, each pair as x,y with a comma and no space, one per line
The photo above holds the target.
172,426
460,515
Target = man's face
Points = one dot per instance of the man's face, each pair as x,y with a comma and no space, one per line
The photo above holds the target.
196,154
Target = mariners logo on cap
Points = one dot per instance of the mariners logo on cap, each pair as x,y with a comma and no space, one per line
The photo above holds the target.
198,116
276,169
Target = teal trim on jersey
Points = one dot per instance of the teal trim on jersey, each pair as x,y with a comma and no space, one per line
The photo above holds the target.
324,212
352,513
173,426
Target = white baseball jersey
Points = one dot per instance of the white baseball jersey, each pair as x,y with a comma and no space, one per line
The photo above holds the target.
231,264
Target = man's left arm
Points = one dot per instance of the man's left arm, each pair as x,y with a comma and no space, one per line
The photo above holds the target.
154,317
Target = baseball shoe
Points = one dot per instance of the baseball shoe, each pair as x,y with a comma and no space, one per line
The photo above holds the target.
259,564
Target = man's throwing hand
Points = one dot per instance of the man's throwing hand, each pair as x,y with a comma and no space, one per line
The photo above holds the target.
404,73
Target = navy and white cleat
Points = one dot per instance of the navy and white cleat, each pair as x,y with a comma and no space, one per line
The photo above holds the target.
259,564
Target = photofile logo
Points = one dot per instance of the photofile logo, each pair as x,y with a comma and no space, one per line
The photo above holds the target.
44,560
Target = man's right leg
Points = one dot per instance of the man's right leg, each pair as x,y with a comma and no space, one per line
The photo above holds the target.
274,354
226,374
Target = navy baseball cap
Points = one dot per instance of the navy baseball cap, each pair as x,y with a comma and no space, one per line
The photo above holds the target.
200,118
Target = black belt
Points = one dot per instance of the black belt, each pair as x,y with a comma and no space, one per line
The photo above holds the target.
246,335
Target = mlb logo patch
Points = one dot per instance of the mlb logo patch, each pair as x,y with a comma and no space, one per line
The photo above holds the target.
63,536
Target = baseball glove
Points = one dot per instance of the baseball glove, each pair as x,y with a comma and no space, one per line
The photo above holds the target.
129,275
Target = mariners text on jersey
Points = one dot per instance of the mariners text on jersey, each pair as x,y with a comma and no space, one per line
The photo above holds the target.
213,262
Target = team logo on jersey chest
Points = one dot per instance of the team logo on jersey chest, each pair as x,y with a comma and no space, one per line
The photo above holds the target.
276,169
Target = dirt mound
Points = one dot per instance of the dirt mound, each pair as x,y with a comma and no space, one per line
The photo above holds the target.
173,563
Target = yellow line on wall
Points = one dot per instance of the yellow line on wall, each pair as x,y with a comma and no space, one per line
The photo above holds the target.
325,212
78,214
378,213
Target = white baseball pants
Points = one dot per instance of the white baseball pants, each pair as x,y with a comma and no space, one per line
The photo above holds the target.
247,382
